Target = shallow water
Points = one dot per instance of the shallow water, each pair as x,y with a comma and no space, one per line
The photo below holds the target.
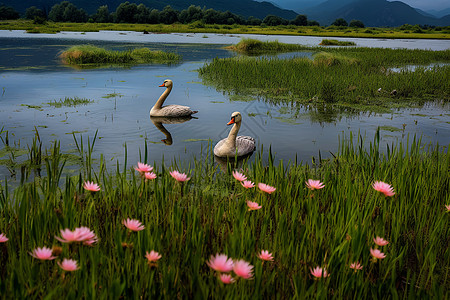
31,76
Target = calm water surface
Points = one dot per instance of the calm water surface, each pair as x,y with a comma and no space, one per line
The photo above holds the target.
31,76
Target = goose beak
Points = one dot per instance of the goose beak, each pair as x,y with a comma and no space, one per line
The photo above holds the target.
231,122
162,85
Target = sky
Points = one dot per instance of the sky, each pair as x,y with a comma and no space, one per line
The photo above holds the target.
422,4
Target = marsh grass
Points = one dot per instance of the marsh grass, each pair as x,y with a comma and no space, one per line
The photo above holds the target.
254,47
70,102
92,55
327,42
354,77
331,227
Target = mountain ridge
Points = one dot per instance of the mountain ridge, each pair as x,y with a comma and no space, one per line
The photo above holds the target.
374,13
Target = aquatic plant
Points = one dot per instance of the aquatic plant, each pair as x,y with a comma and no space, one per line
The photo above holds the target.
328,42
88,54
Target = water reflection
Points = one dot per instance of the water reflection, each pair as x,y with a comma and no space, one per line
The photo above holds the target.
159,121
236,163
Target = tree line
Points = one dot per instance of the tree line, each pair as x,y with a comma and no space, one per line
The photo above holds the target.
132,13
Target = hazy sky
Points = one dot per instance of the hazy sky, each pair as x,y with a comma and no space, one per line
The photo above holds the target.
422,4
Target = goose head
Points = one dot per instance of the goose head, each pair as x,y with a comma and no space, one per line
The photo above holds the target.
167,83
235,118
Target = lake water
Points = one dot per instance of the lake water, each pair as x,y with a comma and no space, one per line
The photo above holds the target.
31,76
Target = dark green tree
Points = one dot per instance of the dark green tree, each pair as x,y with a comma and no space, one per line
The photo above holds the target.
356,23
153,17
33,12
193,13
142,14
300,20
168,15
102,15
313,23
125,13
211,16
271,20
67,12
253,21
8,13
340,22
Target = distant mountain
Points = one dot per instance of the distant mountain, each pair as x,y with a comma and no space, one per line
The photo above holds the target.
424,13
371,13
245,8
439,13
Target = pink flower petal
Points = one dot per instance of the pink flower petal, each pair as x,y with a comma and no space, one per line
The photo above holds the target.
384,188
314,184
266,188
220,263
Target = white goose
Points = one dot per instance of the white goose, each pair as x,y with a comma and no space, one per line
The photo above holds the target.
169,110
233,144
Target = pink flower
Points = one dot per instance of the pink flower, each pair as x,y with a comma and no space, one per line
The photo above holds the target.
91,186
81,234
247,184
265,255
377,253
220,263
149,175
68,265
356,266
143,168
152,256
3,238
180,177
314,184
447,207
384,188
243,269
239,176
253,205
266,188
43,253
68,236
133,225
319,272
226,278
380,241
87,236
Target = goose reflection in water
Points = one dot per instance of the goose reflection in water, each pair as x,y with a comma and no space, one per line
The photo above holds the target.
159,121
235,162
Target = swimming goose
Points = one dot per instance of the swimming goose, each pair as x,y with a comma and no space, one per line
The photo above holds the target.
172,110
233,144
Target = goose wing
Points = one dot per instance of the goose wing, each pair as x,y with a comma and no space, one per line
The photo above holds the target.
176,111
245,145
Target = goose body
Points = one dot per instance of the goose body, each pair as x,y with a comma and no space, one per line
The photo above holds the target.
173,110
235,145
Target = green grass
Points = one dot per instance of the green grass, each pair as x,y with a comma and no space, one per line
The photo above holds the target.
92,55
326,42
187,223
253,47
349,77
70,102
